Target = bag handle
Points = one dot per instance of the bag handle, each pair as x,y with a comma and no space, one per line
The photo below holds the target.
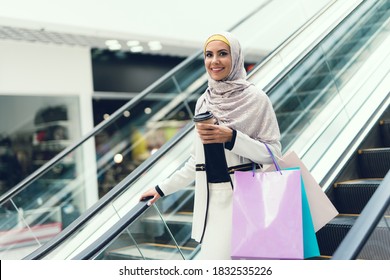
273,159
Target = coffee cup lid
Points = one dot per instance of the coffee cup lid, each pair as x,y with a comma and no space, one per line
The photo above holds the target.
203,116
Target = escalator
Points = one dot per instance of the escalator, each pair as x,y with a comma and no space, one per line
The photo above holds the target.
73,187
326,103
353,188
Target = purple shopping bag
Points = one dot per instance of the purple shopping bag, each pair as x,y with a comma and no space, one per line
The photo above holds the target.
267,215
321,208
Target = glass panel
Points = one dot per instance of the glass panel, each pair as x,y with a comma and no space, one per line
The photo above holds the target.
147,238
177,214
322,76
16,239
123,203
95,227
267,29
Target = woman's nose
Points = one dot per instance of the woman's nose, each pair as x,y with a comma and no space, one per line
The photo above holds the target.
215,60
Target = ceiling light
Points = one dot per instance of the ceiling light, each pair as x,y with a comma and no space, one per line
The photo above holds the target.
136,49
155,45
118,158
111,42
113,45
148,110
132,43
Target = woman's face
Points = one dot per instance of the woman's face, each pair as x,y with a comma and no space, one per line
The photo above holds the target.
218,60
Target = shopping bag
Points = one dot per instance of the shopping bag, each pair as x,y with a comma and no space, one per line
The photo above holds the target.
267,215
310,242
321,208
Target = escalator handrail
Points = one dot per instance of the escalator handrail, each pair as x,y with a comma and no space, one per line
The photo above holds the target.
107,199
362,229
104,240
114,116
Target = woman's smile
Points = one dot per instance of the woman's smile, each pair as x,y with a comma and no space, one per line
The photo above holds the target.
217,69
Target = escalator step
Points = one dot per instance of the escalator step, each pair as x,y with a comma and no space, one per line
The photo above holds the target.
377,246
351,196
330,236
374,163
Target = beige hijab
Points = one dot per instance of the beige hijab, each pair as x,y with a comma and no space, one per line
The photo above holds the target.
239,104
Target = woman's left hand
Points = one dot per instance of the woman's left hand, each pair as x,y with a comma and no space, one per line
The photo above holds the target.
214,133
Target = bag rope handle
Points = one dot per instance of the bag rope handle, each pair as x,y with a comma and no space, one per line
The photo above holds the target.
273,159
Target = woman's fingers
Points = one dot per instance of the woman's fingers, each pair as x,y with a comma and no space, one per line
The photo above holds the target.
146,194
151,195
154,199
210,133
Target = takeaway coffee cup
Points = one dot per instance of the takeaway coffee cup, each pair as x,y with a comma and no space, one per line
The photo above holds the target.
206,117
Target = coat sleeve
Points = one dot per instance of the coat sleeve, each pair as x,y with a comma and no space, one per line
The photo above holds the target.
180,178
255,150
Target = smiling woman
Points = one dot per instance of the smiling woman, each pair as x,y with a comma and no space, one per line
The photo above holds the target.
244,121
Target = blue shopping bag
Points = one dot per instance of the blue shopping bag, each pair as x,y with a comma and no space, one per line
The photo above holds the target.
310,243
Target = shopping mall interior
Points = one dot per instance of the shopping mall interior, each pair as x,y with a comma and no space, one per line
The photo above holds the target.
94,112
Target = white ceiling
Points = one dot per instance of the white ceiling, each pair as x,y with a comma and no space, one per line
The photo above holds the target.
180,25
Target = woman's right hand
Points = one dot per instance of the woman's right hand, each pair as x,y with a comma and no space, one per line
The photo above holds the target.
213,133
151,193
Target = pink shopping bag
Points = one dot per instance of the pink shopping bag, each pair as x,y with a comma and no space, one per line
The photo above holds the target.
321,208
267,215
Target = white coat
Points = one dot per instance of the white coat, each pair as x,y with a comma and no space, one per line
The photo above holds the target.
245,150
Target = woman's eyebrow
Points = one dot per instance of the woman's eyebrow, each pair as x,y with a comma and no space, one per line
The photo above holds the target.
221,50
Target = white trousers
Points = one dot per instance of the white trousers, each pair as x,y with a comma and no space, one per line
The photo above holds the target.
216,241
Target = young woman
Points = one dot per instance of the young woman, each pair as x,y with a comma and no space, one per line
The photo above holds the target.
245,120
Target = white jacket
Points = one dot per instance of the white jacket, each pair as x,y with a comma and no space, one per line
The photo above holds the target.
245,150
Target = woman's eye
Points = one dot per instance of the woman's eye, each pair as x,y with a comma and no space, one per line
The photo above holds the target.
223,53
209,55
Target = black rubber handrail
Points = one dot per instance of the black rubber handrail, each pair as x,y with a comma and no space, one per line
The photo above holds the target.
92,250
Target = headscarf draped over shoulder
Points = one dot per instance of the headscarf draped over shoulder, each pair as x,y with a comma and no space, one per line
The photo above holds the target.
236,102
